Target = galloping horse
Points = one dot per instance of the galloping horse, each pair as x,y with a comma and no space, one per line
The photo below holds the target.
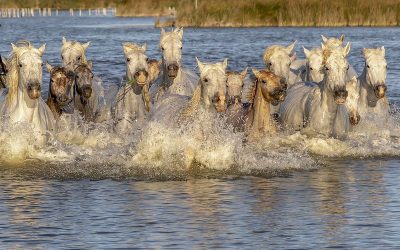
60,89
174,79
133,98
319,108
23,102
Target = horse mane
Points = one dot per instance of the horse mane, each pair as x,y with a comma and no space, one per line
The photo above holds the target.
133,47
73,44
193,104
271,50
12,78
250,92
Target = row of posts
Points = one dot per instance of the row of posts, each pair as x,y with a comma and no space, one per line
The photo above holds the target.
31,12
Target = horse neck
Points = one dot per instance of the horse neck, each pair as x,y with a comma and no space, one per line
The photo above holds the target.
367,95
327,99
261,112
52,102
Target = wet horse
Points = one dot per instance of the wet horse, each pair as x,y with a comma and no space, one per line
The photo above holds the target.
268,89
174,79
23,101
87,95
372,85
73,53
320,108
235,111
133,99
60,89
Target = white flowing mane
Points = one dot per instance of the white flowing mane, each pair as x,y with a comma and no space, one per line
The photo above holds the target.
12,77
74,45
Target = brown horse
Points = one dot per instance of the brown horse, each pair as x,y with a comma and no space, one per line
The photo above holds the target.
60,89
267,89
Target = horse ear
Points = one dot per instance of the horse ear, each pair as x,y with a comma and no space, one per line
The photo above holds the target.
89,63
180,32
243,73
14,47
290,48
49,67
200,64
324,39
126,48
255,72
162,31
306,52
323,46
383,50
64,40
225,64
293,57
341,38
144,47
86,45
347,48
41,49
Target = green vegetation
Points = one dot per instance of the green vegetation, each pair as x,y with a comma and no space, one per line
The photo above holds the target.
231,13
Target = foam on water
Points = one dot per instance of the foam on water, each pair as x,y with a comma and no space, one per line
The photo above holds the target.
203,148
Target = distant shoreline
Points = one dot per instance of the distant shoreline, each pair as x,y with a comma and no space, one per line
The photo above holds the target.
245,13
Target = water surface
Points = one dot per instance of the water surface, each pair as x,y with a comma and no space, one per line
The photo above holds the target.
95,190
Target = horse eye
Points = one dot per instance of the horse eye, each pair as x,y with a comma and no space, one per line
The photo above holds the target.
162,48
367,66
263,81
128,59
311,68
348,67
326,68
205,80
79,58
41,64
62,57
269,64
20,65
181,47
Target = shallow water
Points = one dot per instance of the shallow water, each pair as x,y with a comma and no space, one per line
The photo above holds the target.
90,188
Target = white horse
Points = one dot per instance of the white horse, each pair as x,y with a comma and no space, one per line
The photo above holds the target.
73,56
23,101
209,97
333,42
319,108
278,60
133,100
73,53
313,65
174,79
372,85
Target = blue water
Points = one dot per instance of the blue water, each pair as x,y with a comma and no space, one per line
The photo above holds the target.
343,202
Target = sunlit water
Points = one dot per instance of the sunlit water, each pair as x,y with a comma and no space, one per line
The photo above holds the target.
91,188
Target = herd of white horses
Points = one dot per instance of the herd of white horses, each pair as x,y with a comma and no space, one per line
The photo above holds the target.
322,94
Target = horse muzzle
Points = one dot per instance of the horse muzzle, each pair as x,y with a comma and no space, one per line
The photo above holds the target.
233,100
87,92
278,96
63,100
219,102
141,77
34,90
380,91
354,118
340,96
172,70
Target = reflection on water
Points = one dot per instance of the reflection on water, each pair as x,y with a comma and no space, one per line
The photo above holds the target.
336,206
86,192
